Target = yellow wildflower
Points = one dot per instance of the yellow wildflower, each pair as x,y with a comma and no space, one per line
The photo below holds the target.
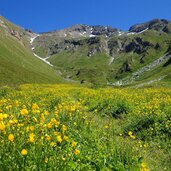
24,152
2,126
132,136
59,138
130,133
47,137
16,103
53,120
74,143
35,107
46,160
49,125
31,138
65,138
106,126
64,128
53,144
1,117
144,167
31,128
24,111
76,152
11,137
46,112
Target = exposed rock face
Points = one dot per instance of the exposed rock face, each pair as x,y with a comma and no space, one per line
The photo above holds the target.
167,29
113,42
16,34
102,30
114,47
157,46
73,37
167,63
138,46
71,44
169,50
93,40
126,67
157,24
79,28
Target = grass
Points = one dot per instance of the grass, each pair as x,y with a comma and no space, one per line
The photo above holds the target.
69,127
91,69
18,65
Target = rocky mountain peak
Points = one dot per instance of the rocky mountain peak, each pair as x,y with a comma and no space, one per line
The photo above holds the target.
79,28
92,31
104,30
156,24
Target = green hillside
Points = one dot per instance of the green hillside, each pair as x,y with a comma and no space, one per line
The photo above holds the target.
17,63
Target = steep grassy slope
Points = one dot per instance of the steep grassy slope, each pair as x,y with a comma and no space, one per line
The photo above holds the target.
17,63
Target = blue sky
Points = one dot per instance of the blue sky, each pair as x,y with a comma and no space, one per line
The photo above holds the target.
47,15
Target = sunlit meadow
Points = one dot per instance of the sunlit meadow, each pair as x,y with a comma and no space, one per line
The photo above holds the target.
67,127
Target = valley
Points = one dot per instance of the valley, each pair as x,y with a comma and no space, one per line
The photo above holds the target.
86,98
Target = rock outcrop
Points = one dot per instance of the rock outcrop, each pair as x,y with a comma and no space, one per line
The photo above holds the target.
157,24
138,46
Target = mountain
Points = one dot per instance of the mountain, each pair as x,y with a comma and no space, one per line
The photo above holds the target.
106,55
17,63
99,55
161,25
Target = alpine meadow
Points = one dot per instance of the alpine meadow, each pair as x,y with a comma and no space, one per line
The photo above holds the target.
85,98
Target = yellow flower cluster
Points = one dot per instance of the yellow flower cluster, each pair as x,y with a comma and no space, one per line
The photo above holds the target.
144,167
27,125
47,119
131,135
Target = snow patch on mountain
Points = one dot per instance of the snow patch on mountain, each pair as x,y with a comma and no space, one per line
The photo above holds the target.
91,35
142,31
33,38
136,33
43,59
